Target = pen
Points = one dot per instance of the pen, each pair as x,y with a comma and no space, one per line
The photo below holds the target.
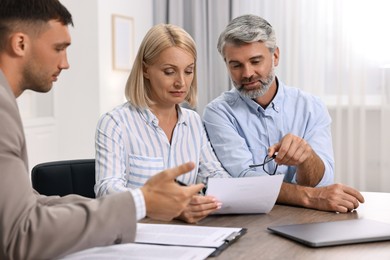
201,192
180,183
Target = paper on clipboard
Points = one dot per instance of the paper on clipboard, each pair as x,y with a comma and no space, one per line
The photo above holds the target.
217,238
133,251
245,195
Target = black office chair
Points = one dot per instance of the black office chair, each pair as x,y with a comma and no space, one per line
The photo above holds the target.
65,177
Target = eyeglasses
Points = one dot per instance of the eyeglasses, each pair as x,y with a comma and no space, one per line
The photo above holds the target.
267,159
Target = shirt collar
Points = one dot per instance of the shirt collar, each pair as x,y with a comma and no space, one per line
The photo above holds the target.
7,87
151,119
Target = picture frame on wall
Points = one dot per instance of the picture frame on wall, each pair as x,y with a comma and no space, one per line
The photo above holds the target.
122,42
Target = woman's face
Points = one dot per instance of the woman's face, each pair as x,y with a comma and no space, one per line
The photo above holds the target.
170,76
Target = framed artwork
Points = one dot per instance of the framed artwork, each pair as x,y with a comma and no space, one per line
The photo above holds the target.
122,42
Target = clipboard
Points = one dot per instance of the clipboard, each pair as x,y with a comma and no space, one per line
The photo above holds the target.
218,238
229,240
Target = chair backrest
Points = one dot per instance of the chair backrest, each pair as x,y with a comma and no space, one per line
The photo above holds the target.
65,177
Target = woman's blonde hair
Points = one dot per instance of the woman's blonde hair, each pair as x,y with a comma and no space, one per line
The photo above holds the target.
157,39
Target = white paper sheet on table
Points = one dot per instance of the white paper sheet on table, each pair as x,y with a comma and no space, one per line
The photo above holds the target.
215,238
141,251
245,195
185,235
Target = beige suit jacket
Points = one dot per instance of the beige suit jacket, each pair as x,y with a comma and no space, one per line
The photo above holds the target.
34,226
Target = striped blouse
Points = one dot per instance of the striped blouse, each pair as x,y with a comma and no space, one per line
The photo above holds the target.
131,147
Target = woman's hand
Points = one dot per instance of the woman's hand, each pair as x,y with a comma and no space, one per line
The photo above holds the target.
199,208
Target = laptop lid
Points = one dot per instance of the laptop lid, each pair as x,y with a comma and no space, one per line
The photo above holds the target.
335,233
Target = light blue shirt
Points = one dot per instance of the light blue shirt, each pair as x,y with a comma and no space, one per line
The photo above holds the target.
131,148
241,131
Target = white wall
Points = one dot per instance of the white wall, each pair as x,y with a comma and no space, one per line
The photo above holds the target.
91,86
77,90
112,82
61,125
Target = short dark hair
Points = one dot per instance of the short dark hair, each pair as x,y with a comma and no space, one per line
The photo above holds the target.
30,12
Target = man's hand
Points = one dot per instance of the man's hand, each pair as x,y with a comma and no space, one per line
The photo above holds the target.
336,197
199,208
294,151
164,198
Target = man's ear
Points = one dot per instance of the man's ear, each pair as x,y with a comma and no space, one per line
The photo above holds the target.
145,70
19,43
276,56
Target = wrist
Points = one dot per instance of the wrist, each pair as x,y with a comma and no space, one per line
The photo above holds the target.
307,196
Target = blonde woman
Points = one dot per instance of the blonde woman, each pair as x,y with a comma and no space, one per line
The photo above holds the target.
151,131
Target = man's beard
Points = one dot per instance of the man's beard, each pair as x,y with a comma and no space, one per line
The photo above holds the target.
264,86
35,78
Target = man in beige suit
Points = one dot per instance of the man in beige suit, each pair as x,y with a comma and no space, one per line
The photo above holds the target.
34,37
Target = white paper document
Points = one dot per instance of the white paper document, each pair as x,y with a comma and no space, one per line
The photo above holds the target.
247,195
186,235
165,241
140,252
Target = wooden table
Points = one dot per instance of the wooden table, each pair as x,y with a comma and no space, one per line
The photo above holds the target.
259,243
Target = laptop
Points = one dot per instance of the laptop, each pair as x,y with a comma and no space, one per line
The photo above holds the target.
335,233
